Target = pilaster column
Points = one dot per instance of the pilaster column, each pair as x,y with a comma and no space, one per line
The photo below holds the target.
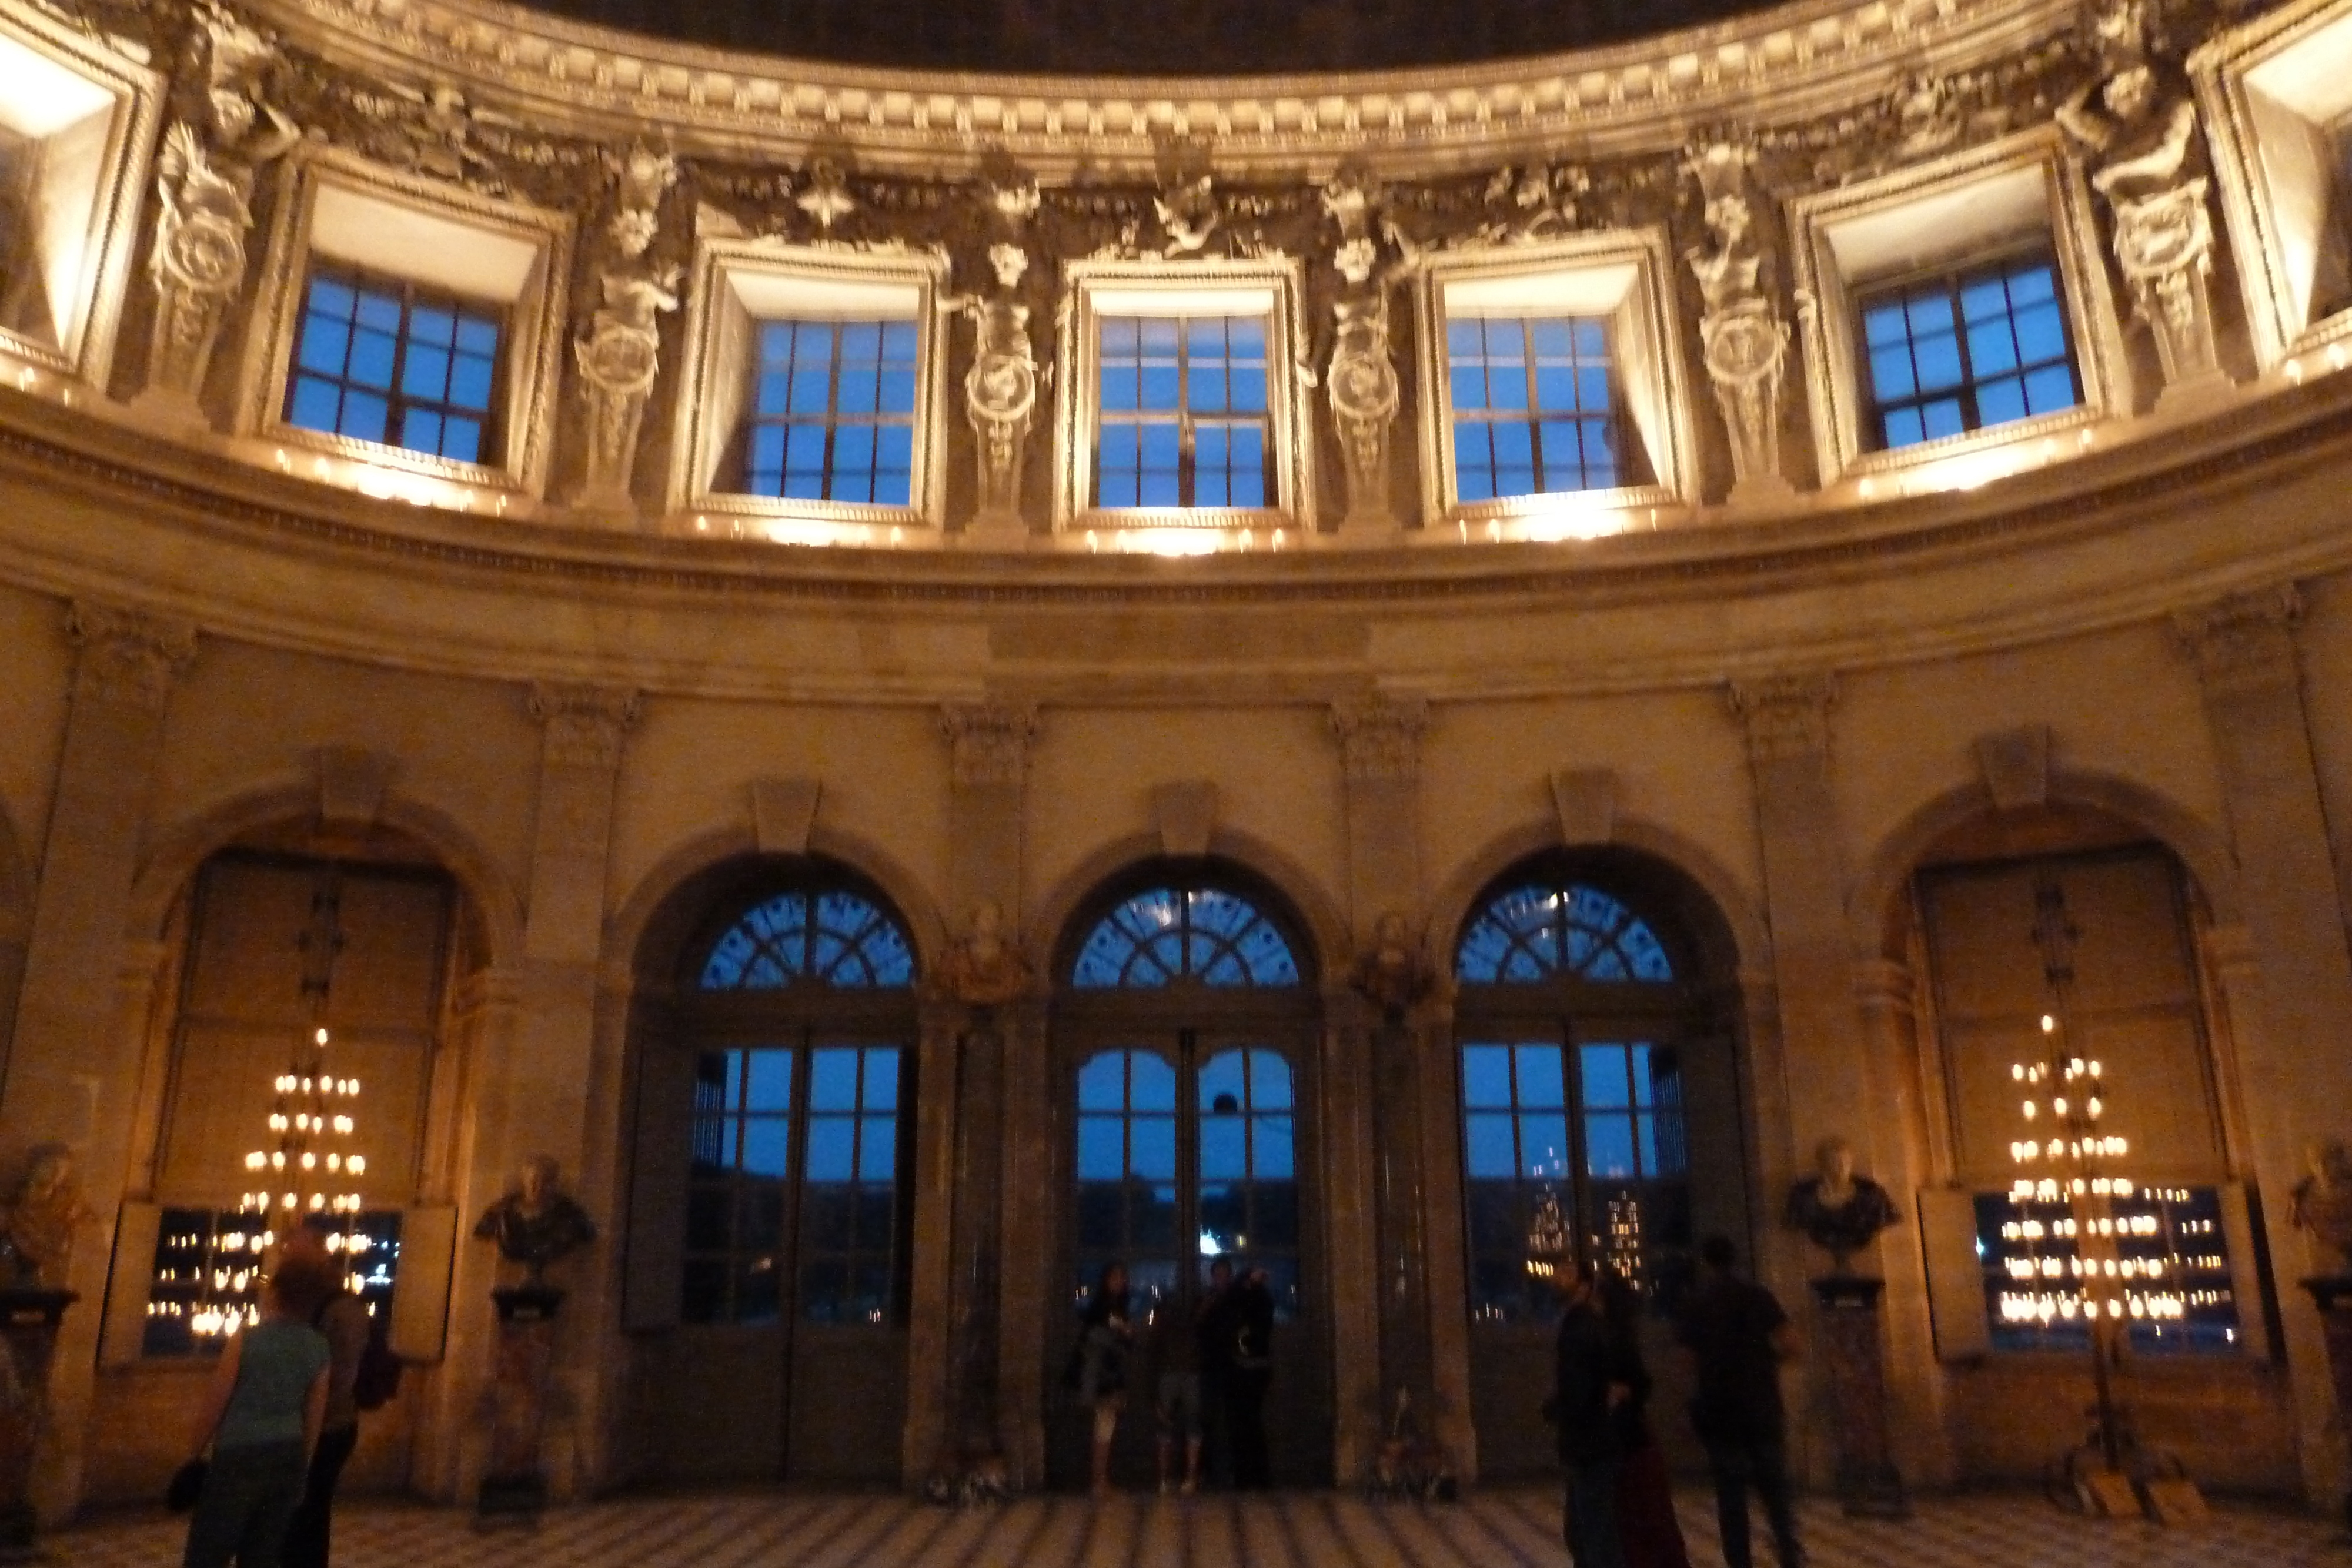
2293,1026
1850,1091
980,1243
72,1070
535,1095
1391,1190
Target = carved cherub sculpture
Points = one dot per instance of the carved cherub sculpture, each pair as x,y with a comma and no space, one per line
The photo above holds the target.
2322,1205
1839,1210
537,1223
43,1213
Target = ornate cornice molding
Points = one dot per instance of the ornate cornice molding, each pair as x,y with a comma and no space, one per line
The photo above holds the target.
1788,62
1787,717
1380,738
584,725
989,741
2243,642
128,657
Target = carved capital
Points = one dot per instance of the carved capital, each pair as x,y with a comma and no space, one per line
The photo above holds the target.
584,725
1788,717
2245,642
990,741
1380,737
127,656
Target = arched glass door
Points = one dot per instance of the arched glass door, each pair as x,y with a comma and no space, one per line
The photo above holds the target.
1185,1035
1582,1046
794,1039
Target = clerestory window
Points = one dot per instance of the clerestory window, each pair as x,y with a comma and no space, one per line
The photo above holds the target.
1184,420
381,359
1965,349
831,411
1536,408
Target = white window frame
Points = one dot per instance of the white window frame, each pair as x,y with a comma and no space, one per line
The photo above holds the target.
2277,100
93,114
1268,285
1948,213
1625,275
340,209
736,284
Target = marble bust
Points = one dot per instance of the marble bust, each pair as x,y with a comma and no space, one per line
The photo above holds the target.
1840,1211
39,1224
1392,974
537,1223
2322,1204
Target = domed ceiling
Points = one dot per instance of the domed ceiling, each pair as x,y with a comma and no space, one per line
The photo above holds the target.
1152,37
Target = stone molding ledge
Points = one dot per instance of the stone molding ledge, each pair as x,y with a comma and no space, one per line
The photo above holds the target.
1649,93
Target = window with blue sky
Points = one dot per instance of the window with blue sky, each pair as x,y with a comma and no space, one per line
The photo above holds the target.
1966,350
1201,936
1183,419
833,412
1535,406
392,363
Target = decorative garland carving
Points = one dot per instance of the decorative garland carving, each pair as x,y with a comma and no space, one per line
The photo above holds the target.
1361,379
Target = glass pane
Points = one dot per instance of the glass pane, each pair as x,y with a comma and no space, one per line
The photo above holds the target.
1486,1075
765,1145
1153,1084
1488,1149
878,1148
1102,1148
1155,1217
826,1210
1102,1082
1272,1154
1101,1208
832,1080
1540,1085
709,1214
1644,1090
1603,1082
1609,1146
1543,1144
881,1092
1152,1148
1223,1148
770,1087
830,1141
1269,1081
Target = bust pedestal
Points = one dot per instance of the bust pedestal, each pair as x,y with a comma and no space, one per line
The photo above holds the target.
515,1489
1852,1357
28,1323
2332,1294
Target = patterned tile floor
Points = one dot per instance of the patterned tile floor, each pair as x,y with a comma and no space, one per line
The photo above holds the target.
1502,1528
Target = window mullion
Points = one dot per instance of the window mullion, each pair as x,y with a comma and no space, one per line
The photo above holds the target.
1534,412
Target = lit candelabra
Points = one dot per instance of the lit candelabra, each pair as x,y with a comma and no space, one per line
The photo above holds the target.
308,1165
2083,1230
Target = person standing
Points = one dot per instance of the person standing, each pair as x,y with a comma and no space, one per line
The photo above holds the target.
261,1416
1738,1335
345,1320
1647,1529
1247,1383
1102,1373
1176,1357
1216,1326
1588,1388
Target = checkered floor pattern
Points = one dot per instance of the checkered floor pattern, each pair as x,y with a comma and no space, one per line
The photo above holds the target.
1501,1528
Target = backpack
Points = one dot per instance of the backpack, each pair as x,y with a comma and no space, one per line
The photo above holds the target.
379,1375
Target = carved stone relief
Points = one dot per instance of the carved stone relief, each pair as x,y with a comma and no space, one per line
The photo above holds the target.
620,353
1002,388
1360,379
204,182
2137,126
1743,337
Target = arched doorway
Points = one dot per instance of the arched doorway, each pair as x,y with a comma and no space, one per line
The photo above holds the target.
770,1226
1599,1105
1185,1031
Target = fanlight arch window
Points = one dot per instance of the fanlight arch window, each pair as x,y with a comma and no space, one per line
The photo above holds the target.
1169,936
834,938
1560,930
